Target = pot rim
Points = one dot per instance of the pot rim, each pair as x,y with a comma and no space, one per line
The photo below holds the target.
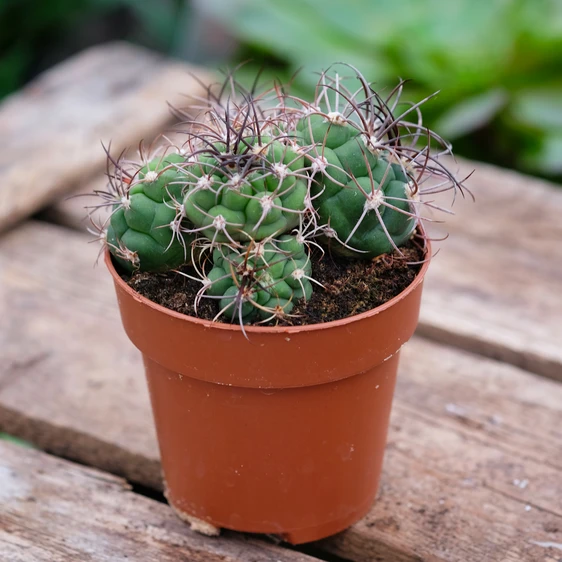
271,329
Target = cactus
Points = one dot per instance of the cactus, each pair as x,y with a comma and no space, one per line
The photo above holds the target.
144,230
263,279
263,178
364,202
366,165
260,194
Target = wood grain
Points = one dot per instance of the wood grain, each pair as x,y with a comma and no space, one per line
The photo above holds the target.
53,325
52,129
53,510
473,469
494,288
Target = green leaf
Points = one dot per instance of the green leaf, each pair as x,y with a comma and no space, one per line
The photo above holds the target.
16,440
296,32
13,66
471,114
540,25
545,158
538,108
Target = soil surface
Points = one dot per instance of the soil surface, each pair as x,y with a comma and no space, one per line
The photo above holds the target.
349,287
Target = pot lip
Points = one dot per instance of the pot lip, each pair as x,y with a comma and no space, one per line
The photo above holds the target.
342,322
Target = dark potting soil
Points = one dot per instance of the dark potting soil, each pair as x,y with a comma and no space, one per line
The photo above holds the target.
349,287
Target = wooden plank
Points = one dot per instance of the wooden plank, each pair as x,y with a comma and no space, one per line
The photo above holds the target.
494,288
473,467
71,210
51,130
54,510
55,325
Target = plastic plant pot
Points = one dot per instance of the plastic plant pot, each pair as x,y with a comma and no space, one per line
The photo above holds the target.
282,433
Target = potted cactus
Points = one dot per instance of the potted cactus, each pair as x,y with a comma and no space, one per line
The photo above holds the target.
272,419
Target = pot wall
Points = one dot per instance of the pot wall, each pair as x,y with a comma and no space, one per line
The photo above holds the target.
299,462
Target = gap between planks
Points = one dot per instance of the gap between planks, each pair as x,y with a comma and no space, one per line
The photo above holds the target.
466,431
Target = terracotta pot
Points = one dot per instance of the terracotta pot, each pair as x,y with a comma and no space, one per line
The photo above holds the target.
284,433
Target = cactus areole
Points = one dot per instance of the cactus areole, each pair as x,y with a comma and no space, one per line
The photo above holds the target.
264,426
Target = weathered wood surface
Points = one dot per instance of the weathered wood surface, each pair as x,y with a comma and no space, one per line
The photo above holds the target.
51,130
474,465
53,510
473,468
74,209
495,286
55,328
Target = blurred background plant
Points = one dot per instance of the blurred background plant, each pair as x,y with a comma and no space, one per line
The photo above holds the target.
35,34
497,63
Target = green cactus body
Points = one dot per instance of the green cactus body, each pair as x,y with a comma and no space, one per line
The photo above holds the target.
364,199
317,128
169,178
143,233
263,199
261,281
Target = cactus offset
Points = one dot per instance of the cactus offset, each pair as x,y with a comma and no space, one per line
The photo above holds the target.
259,193
367,165
144,231
262,280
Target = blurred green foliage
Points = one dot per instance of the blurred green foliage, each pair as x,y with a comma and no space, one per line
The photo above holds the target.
15,440
35,34
497,63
